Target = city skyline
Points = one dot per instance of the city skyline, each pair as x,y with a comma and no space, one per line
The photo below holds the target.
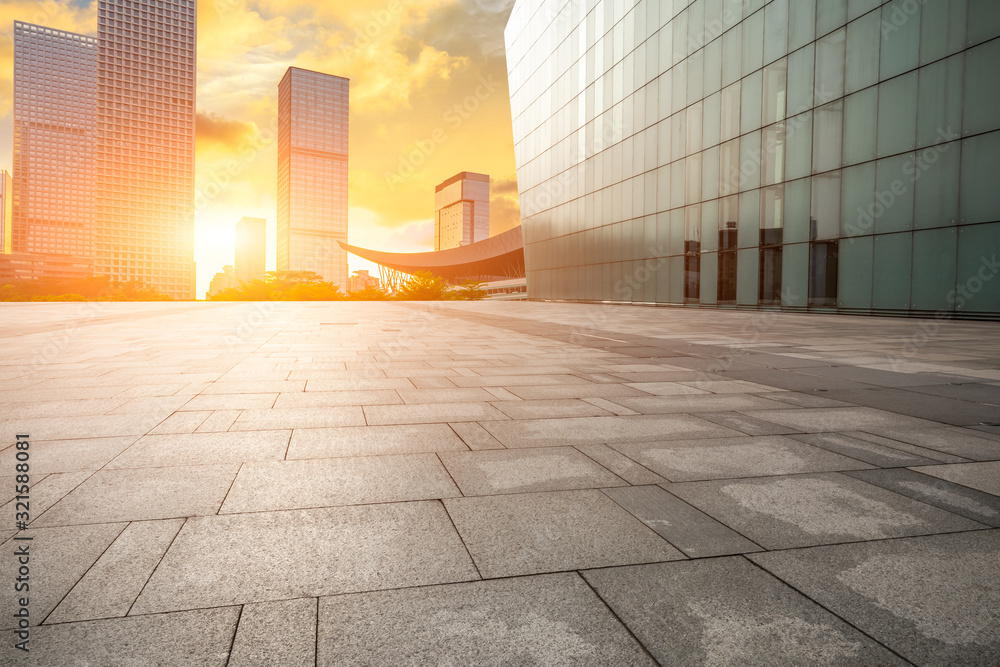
428,82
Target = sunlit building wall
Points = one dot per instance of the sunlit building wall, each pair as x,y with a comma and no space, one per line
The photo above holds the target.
251,240
312,173
832,155
6,210
461,210
55,74
144,218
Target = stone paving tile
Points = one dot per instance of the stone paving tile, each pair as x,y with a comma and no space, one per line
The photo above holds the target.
724,458
693,532
744,424
474,436
242,558
517,471
280,485
158,451
143,493
802,400
254,387
199,638
822,420
931,599
621,465
317,443
58,557
666,388
554,392
382,415
358,384
938,408
543,409
276,633
808,510
45,492
322,399
49,408
984,477
550,619
792,381
68,455
613,408
731,387
957,499
862,450
532,533
289,418
661,405
181,422
230,402
727,612
680,375
453,395
218,421
958,441
81,428
899,445
596,430
109,588
147,404
509,381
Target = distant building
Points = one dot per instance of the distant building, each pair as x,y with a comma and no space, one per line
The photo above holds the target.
312,173
225,279
55,102
461,210
34,265
6,210
361,280
250,248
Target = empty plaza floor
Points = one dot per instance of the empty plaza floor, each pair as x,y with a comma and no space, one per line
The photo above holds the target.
505,483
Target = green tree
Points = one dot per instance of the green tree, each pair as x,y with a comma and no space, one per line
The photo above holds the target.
471,290
424,286
369,294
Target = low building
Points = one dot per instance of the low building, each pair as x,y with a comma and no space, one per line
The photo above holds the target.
36,265
362,280
226,279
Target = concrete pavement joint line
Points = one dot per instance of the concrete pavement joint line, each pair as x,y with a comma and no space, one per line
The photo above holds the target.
155,567
579,573
236,629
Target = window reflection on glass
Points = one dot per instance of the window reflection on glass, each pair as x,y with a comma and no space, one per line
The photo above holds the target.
824,221
692,254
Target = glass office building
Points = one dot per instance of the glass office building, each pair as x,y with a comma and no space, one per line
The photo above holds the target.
55,74
313,115
828,155
144,218
461,210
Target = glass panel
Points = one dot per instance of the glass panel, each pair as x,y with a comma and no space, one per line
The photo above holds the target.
979,201
729,167
856,8
858,201
830,14
769,279
709,278
676,279
984,21
730,112
801,23
710,226
749,219
693,190
775,30
753,43
830,66
692,254
943,29
773,154
900,44
750,106
712,122
940,101
772,215
728,223
800,80
894,193
892,268
825,207
897,115
824,265
710,174
774,92
693,128
713,66
978,283
677,222
798,146
696,77
678,136
861,69
750,161
795,274
731,55
982,89
934,255
855,273
746,272
860,116
726,277
796,226
937,176
828,125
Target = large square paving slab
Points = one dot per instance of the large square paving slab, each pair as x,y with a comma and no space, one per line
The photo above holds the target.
934,600
723,458
277,485
806,510
517,471
546,532
984,477
541,621
596,430
234,559
156,451
317,443
727,612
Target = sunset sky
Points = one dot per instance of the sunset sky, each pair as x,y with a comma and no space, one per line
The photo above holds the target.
419,70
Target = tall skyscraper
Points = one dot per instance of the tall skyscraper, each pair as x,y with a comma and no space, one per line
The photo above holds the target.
144,218
461,210
251,241
6,210
312,173
55,75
